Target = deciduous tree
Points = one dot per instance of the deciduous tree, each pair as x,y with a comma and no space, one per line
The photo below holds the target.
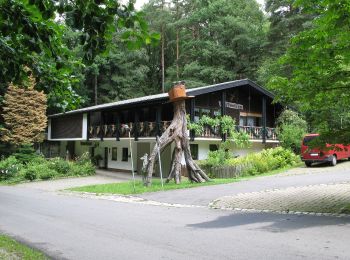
319,60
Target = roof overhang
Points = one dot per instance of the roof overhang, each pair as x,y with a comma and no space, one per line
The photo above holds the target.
163,97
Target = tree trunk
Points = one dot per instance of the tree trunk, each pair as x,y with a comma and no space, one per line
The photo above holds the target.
176,132
95,89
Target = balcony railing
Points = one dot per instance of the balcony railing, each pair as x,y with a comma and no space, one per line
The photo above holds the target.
150,129
141,129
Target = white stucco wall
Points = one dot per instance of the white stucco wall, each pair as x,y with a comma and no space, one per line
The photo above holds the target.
110,143
203,149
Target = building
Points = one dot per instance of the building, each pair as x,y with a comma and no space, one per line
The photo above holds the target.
98,129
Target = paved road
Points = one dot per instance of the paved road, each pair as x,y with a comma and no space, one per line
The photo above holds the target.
77,228
81,228
297,177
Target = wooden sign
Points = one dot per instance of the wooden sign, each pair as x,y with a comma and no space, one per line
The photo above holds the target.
232,105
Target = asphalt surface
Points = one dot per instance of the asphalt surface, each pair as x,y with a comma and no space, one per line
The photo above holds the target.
68,227
297,177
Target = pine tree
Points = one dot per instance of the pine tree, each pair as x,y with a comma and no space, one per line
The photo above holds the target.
24,114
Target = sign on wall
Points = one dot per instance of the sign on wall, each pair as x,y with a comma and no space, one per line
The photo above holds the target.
232,105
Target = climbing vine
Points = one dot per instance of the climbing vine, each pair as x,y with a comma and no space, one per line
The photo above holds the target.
225,125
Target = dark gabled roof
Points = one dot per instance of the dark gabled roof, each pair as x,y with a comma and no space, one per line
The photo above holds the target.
164,96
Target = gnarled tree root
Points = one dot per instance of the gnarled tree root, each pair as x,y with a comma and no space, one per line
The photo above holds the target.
176,132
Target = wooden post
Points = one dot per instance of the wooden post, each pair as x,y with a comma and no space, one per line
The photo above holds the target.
136,126
192,106
101,125
87,126
117,125
263,119
158,120
223,110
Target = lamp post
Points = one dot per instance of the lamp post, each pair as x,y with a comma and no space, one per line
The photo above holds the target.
127,128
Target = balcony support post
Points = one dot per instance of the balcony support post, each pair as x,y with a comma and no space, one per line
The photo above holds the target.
87,126
136,126
263,119
101,125
117,125
223,111
158,120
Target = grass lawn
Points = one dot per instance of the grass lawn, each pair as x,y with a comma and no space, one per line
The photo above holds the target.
126,188
10,249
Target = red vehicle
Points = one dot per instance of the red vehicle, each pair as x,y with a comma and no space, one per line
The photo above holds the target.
330,155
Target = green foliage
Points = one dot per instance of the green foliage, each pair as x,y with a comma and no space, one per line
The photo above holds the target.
285,21
84,158
290,130
84,169
318,59
218,157
226,126
9,168
253,163
38,168
223,43
11,249
37,40
25,153
59,165
35,170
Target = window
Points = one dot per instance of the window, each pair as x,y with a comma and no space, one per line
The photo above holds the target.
213,147
194,151
125,155
114,154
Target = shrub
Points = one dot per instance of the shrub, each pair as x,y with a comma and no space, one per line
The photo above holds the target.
61,166
25,153
40,168
9,168
217,158
254,163
84,158
36,170
290,130
48,174
30,174
82,169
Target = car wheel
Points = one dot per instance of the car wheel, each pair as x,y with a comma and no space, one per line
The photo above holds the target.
334,160
308,164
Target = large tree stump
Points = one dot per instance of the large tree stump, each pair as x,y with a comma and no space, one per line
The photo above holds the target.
176,132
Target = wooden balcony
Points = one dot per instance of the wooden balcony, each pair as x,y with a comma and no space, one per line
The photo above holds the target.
254,132
150,129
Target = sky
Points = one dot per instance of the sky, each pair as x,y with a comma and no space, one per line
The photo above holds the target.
139,3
